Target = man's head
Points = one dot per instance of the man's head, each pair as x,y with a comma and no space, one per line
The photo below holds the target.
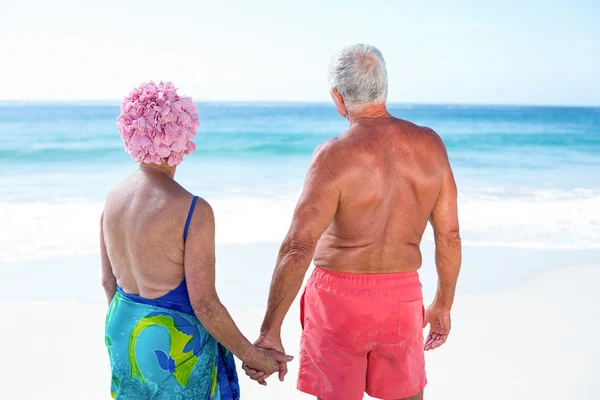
357,78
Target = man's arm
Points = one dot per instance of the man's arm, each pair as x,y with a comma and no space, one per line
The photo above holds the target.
199,268
444,220
109,282
314,212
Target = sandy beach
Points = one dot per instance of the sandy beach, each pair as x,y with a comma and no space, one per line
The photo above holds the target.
523,333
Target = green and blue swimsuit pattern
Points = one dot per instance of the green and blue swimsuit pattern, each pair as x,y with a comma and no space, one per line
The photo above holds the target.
159,350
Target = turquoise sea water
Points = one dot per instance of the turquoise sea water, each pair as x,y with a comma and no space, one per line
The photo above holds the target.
528,176
494,146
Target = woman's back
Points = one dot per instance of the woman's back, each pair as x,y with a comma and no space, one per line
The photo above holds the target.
143,225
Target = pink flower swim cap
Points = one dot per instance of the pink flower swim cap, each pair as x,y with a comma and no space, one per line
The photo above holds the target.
157,125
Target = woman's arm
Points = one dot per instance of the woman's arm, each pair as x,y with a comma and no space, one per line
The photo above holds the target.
109,282
199,265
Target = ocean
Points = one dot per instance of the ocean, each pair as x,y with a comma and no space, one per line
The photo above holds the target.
528,177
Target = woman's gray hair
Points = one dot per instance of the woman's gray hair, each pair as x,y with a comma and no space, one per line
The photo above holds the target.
358,73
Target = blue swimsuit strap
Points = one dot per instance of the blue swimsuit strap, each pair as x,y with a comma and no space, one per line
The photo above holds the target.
189,218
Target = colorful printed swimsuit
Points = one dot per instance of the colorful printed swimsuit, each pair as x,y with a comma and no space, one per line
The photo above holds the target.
159,350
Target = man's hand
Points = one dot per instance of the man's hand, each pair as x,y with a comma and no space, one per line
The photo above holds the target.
268,361
439,326
272,344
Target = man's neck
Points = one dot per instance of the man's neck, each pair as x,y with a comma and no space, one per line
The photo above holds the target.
367,112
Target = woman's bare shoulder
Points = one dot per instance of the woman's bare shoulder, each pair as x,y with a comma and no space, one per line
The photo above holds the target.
165,197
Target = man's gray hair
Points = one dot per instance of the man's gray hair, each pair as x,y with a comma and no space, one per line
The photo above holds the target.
358,73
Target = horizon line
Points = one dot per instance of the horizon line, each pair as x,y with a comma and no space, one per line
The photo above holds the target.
88,102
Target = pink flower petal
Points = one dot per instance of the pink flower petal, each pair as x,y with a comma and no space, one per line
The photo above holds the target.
163,151
175,159
190,147
145,141
136,141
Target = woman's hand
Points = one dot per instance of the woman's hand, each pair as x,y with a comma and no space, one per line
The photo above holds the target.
264,362
270,344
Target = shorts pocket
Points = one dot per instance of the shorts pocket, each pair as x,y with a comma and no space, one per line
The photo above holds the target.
410,320
302,314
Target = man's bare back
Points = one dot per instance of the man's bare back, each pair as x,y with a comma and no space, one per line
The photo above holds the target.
389,173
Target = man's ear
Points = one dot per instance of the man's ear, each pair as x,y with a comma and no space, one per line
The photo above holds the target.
339,103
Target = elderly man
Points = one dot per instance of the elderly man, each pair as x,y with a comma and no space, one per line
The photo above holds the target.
366,201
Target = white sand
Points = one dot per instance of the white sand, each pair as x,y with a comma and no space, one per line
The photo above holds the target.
536,341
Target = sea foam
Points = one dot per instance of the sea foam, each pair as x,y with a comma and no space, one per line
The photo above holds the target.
559,219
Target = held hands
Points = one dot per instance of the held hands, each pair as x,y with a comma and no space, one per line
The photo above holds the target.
271,346
439,326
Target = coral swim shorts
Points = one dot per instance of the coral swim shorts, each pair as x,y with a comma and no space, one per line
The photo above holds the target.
362,333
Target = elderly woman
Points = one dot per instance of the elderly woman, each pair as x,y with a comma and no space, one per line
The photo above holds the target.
167,333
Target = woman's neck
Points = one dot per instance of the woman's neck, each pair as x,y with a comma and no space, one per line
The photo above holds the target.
163,168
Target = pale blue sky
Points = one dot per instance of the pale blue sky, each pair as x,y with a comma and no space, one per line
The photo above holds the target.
507,52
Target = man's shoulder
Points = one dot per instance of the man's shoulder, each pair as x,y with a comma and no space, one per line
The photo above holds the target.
424,136
328,147
349,140
334,156
429,133
421,130
334,152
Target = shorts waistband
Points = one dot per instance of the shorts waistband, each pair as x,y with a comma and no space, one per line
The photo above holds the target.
365,281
